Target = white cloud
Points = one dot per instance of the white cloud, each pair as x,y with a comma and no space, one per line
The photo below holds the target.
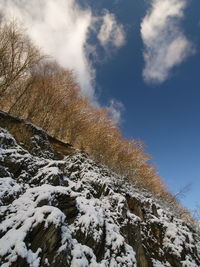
61,28
111,33
165,45
115,109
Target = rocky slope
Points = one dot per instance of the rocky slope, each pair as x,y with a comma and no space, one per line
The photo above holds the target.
61,208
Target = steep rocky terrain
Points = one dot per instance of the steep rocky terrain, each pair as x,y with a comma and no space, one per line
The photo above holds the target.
61,208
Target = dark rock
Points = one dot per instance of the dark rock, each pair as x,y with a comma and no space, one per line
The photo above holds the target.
58,211
135,207
34,139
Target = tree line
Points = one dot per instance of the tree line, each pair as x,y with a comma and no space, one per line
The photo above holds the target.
36,88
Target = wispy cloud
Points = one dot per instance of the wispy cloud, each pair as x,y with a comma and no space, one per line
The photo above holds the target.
111,33
165,45
61,28
115,110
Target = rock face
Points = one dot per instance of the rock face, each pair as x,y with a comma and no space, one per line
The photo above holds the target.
34,139
60,208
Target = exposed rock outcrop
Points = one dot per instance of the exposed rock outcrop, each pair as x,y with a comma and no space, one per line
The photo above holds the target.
60,208
34,139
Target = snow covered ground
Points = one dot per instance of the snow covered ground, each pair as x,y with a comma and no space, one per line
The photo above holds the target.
76,212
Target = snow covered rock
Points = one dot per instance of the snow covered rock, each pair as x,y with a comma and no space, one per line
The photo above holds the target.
68,210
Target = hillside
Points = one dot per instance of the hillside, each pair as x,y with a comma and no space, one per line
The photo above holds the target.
61,208
38,89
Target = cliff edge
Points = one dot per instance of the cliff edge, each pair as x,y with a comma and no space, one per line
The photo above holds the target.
58,207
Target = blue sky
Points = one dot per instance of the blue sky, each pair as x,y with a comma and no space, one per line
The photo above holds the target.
165,116
104,42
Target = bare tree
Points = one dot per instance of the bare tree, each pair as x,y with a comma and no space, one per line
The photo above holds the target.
17,55
196,213
49,96
184,190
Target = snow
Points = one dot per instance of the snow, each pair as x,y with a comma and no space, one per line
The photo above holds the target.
157,263
92,217
30,200
172,239
188,262
24,214
9,188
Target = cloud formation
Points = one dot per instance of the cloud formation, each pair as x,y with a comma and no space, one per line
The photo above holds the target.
165,45
115,110
111,33
61,28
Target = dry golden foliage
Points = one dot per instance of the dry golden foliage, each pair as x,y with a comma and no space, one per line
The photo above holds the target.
17,55
50,97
